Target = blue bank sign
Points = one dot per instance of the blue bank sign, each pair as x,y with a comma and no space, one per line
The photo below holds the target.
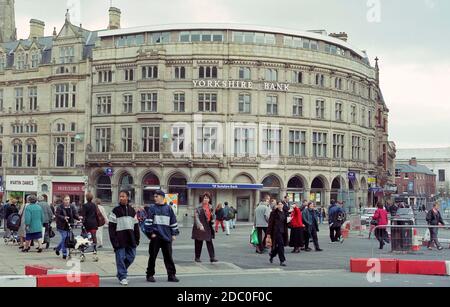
224,186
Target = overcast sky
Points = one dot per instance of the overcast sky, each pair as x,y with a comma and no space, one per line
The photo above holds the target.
411,38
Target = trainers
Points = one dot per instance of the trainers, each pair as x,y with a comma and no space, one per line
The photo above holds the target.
172,278
57,252
430,248
124,282
151,279
440,248
341,239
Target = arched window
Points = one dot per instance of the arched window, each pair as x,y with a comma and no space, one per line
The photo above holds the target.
17,153
60,154
126,183
149,185
178,185
31,153
104,189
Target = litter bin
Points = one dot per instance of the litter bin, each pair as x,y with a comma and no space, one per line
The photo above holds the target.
401,238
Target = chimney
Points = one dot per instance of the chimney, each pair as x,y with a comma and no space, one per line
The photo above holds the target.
342,36
36,28
413,162
114,18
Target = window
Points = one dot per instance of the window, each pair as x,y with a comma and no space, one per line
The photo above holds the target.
178,137
298,77
66,55
63,94
105,76
178,102
102,139
73,127
244,141
370,150
363,117
295,42
319,144
338,83
196,36
244,73
2,62
31,128
31,153
129,40
271,145
149,102
363,149
129,74
19,99
406,175
150,139
310,44
252,37
1,100
207,140
271,75
64,151
1,129
17,154
370,119
127,139
34,59
60,127
353,114
180,72
207,102
338,111
320,109
160,38
338,146
441,174
297,143
104,105
207,72
272,105
150,72
32,96
297,109
128,103
397,172
1,154
356,148
20,61
244,103
320,80
17,128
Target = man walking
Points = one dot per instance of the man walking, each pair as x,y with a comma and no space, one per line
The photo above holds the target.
434,218
311,227
124,235
233,213
162,227
227,217
335,220
48,217
262,214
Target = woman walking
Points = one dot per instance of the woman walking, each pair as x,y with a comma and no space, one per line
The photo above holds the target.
203,229
99,236
277,233
89,213
381,218
297,237
34,220
22,229
220,216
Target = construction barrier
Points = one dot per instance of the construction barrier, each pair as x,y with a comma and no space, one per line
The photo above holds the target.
422,267
85,280
36,269
361,265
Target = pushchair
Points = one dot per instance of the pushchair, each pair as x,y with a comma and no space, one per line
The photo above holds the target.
13,238
82,244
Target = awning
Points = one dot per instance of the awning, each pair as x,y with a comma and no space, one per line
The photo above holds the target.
225,186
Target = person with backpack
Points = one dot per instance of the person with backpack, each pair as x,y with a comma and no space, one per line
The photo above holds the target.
34,220
10,224
90,218
162,227
66,215
105,221
233,213
219,218
124,234
434,218
227,217
48,217
336,217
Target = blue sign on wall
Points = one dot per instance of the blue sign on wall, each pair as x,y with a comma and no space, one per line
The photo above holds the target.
224,186
352,176
109,172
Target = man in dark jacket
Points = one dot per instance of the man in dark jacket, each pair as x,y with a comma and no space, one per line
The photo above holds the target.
89,213
335,221
311,227
162,227
66,214
434,218
124,235
286,206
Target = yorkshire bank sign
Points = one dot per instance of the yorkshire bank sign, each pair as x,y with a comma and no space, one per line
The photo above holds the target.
238,84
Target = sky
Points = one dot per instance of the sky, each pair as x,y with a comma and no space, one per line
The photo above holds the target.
410,37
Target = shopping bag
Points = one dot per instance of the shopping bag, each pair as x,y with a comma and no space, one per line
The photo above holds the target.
254,237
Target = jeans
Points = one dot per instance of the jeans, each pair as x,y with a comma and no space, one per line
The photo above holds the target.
100,236
434,238
227,226
62,244
124,258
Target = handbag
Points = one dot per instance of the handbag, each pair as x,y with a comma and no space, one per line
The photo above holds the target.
51,233
254,240
374,222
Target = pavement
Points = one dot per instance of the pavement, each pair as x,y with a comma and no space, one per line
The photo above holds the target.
238,264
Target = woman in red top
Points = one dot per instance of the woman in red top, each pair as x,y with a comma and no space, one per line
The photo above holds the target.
381,216
297,238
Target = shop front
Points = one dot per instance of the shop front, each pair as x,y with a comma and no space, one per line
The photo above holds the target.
75,190
19,187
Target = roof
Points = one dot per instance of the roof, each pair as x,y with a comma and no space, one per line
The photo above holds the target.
232,26
421,169
424,153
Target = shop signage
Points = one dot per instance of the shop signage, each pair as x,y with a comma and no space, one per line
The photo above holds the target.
371,180
225,186
69,188
21,183
238,84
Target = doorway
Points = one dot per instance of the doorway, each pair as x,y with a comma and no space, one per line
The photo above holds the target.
243,209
